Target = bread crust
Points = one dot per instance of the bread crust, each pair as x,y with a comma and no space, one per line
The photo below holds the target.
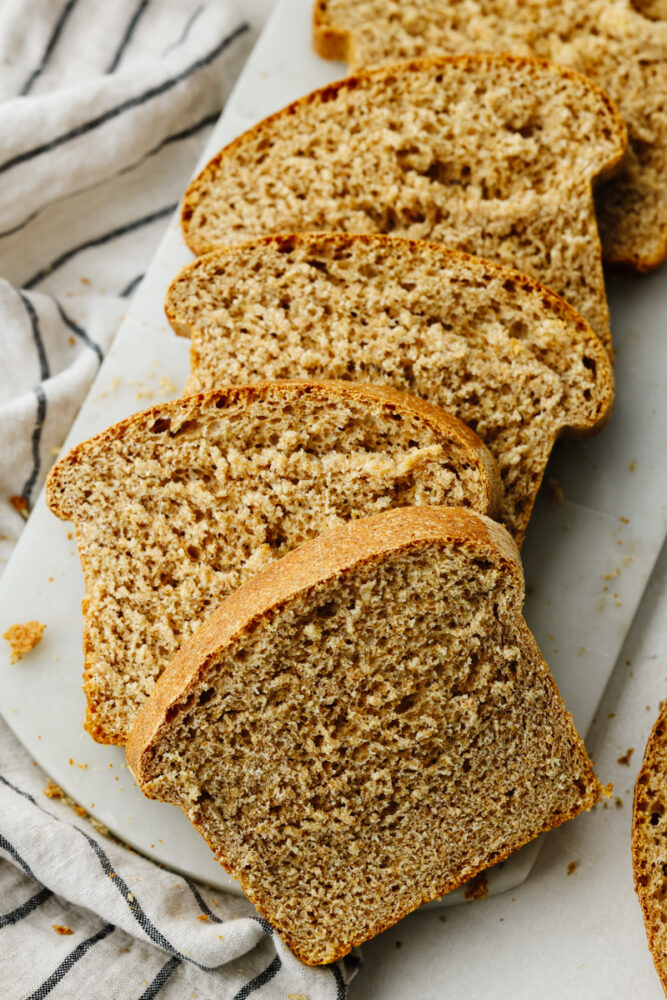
324,94
298,573
652,776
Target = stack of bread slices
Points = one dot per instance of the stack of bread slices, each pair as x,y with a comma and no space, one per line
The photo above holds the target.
303,582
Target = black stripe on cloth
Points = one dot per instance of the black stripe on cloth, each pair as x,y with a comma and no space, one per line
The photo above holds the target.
40,396
149,929
185,133
132,102
202,904
19,791
186,30
44,371
129,31
163,975
55,35
265,925
129,288
341,988
261,980
79,332
67,963
13,853
26,908
352,962
114,234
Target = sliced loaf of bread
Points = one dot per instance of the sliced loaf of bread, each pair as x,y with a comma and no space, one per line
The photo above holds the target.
365,725
175,507
649,843
622,45
492,155
494,347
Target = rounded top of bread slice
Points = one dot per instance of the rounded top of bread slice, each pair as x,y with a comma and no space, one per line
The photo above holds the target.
70,478
584,137
365,725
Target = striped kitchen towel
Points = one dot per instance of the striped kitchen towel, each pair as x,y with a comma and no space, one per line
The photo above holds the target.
104,110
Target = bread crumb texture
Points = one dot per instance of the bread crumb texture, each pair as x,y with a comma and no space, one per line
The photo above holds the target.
366,725
649,843
495,348
23,638
492,155
621,45
177,506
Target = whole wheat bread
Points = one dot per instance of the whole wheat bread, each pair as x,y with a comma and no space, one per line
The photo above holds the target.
365,725
175,507
649,842
501,352
622,48
492,155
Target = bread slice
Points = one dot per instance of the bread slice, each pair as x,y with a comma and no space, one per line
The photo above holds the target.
492,346
622,48
365,725
492,155
649,842
177,506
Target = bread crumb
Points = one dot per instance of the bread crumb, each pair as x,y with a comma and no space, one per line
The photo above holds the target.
23,638
572,867
20,505
625,759
625,520
618,802
295,996
52,791
556,495
633,465
54,450
114,383
612,715
477,888
62,929
203,917
398,944
442,919
166,387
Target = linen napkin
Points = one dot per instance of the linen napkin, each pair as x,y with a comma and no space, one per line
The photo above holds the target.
104,110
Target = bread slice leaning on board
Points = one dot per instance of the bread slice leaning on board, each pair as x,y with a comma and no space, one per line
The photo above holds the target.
504,354
649,842
365,725
177,506
493,155
620,44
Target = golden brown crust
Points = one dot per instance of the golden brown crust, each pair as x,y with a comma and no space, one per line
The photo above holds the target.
300,571
617,125
649,842
443,423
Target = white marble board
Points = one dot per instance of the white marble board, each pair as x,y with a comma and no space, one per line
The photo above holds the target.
587,559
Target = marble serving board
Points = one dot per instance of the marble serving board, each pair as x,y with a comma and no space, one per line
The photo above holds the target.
588,554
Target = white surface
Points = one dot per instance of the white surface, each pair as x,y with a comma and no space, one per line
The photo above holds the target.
578,616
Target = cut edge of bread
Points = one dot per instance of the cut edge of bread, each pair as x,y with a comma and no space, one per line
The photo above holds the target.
404,402
328,92
651,774
550,300
298,573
